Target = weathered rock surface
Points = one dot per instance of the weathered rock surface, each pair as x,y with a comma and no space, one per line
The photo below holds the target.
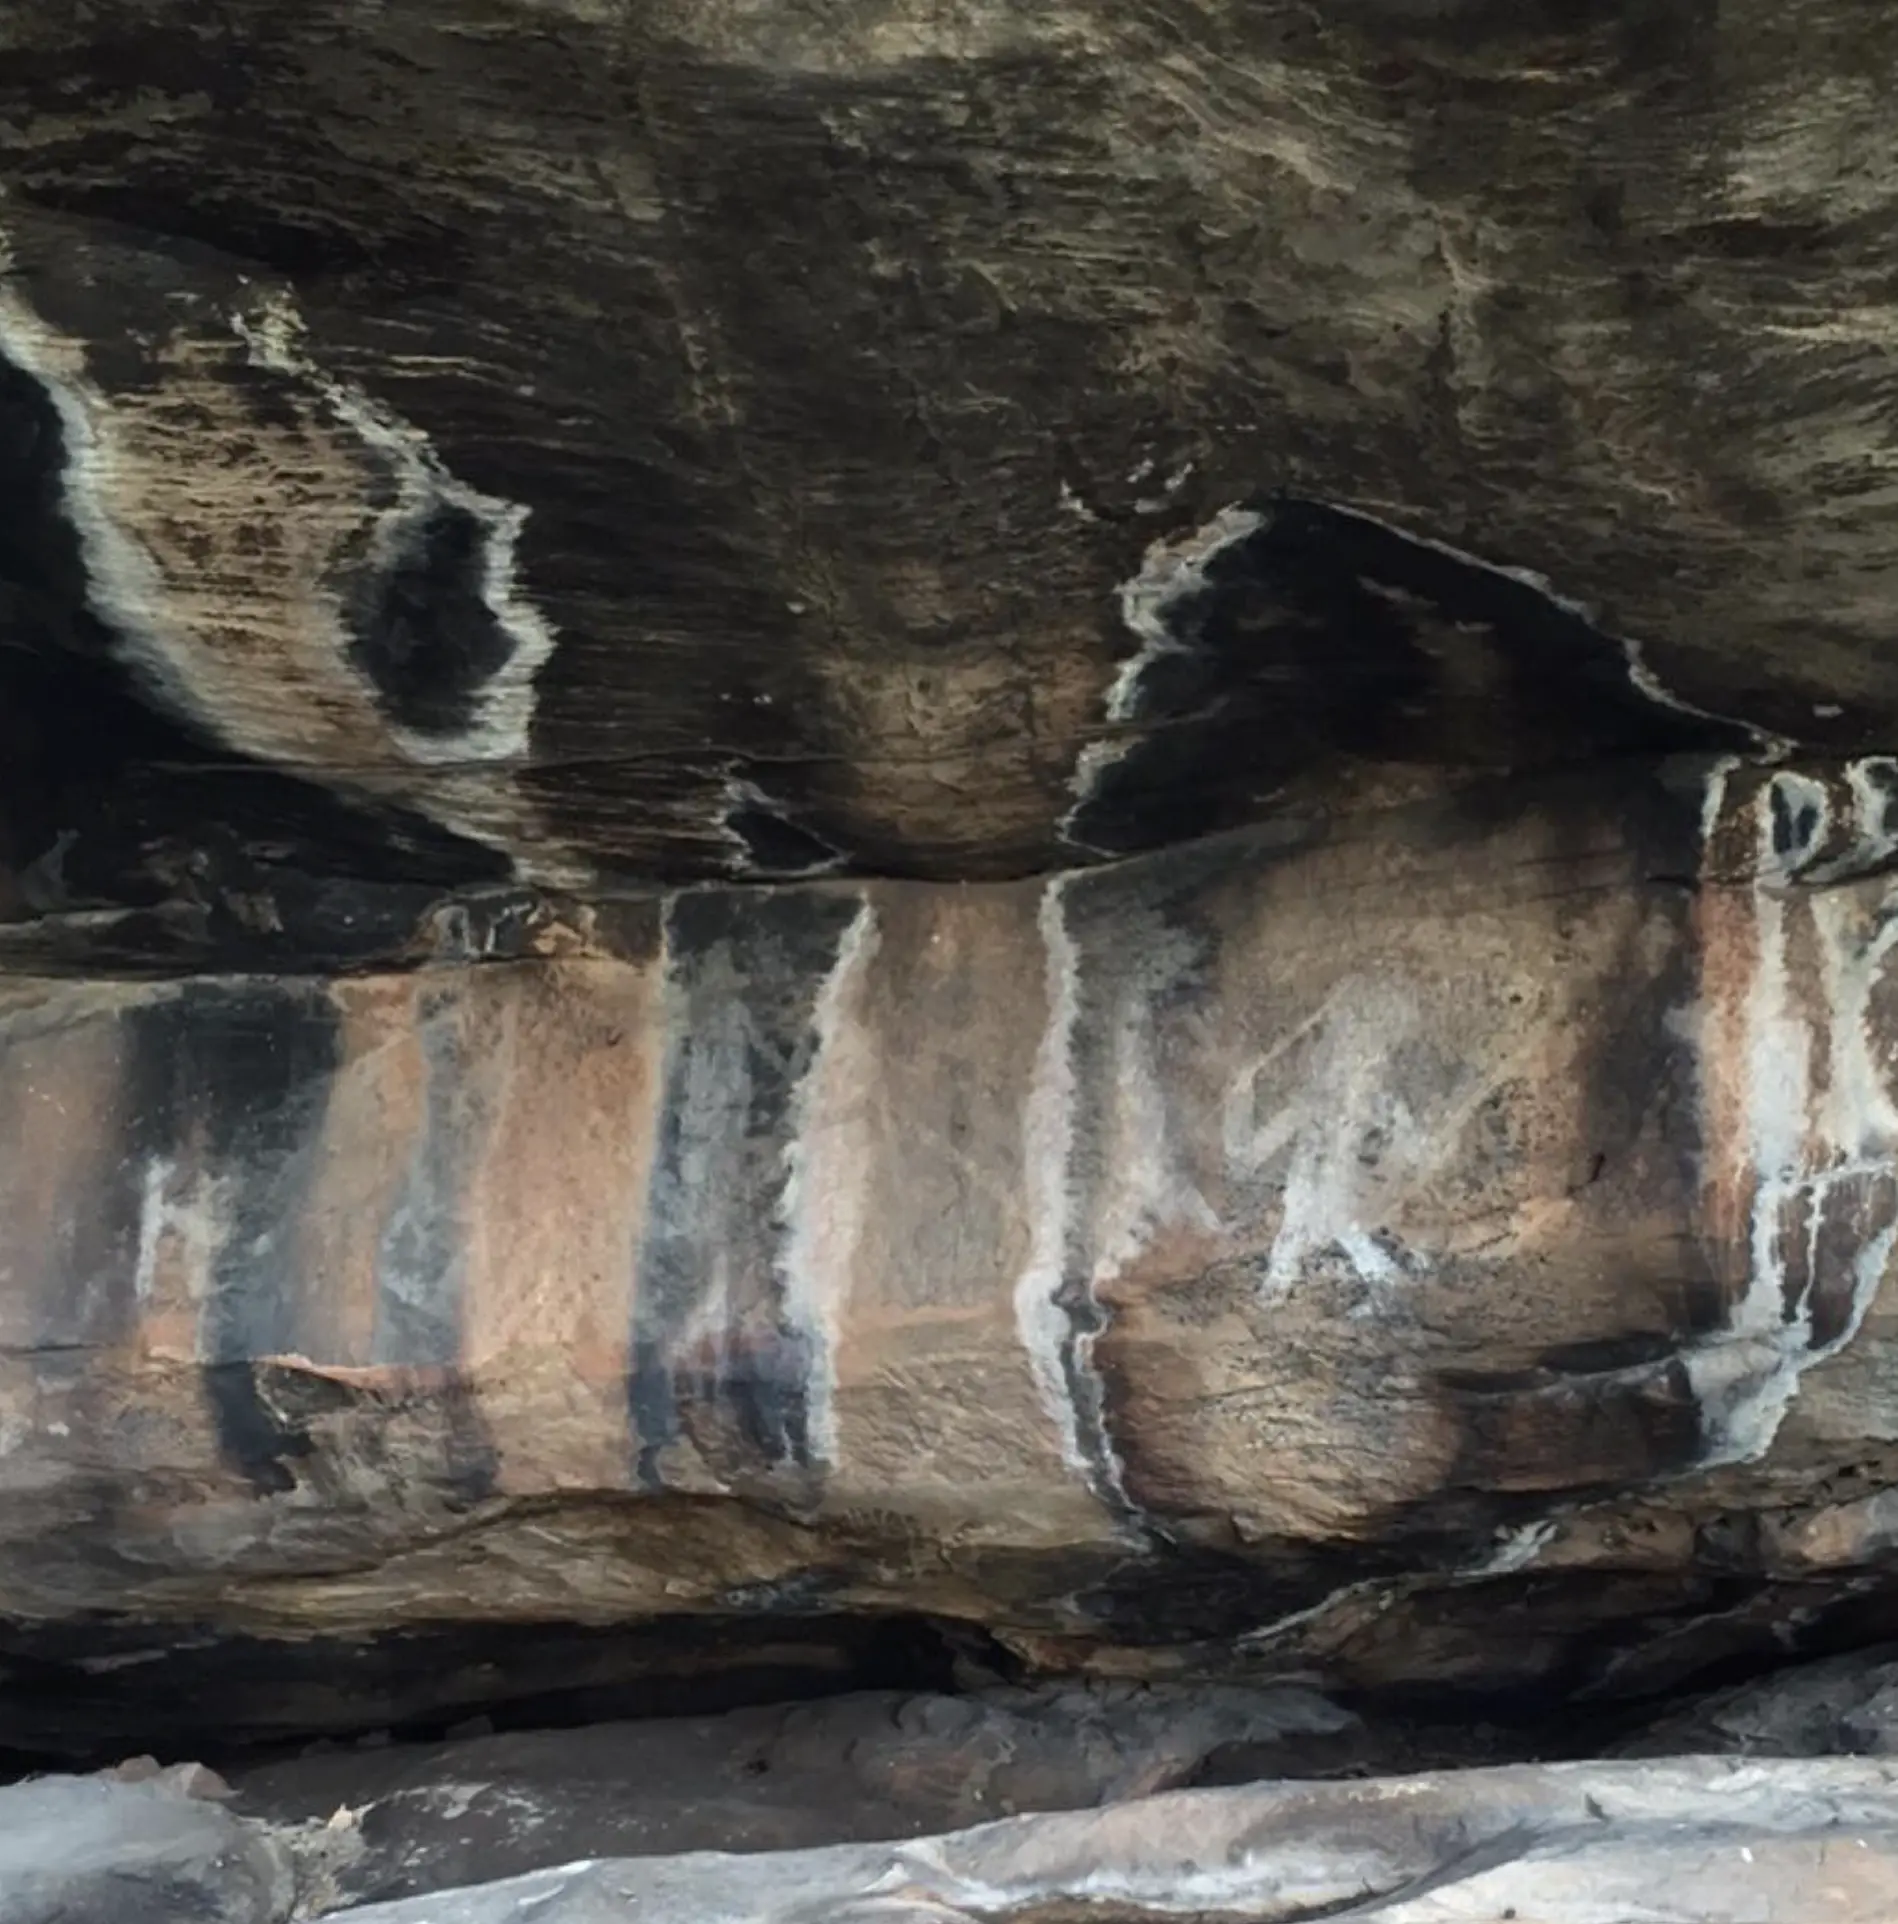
1692,1842
420,1818
1681,1841
1326,1246
564,439
1843,1707
92,1850
586,593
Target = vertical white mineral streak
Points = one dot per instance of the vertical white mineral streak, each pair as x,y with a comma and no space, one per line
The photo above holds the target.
1144,1190
124,587
152,1223
826,1170
1041,1322
1816,1132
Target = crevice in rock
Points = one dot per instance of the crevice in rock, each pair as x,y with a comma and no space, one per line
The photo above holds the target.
546,1745
86,1695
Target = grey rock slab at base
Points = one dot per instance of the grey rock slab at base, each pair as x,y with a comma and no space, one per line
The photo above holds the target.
90,1850
1694,1841
850,1768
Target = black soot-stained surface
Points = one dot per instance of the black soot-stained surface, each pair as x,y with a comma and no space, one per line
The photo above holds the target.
820,394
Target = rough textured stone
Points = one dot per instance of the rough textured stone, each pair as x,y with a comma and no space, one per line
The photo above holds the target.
1681,1841
1846,1706
1325,1245
490,488
581,441
91,1850
404,1820
1694,1842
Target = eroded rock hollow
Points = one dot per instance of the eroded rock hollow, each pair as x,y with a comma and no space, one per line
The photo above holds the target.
942,847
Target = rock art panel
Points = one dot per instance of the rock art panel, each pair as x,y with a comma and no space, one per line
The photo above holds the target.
1281,1219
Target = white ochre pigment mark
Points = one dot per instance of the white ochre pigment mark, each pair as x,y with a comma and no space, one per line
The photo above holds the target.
1527,577
174,489
1645,681
1641,677
504,706
1800,1132
1040,1320
1511,1551
133,473
827,1161
470,786
737,796
1514,1549
1171,574
151,1228
1144,1190
1299,1115
124,586
184,1216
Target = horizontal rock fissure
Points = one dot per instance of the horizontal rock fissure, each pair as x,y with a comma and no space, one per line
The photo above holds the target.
92,1694
400,1814
89,1695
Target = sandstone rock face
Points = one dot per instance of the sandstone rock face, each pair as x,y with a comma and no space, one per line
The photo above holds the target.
1067,831
1484,1205
562,439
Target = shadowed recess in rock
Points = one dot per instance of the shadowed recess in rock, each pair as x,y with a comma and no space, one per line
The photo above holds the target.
92,1694
1311,631
772,843
200,854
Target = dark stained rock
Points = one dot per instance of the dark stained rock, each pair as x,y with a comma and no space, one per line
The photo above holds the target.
1842,1707
1270,1256
546,440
